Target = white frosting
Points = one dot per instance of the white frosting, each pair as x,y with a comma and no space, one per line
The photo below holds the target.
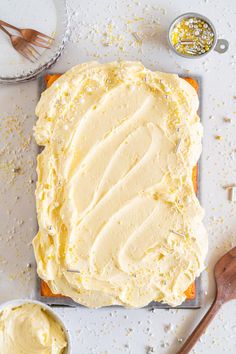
114,181
28,328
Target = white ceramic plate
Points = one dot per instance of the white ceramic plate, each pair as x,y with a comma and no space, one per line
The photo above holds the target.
53,21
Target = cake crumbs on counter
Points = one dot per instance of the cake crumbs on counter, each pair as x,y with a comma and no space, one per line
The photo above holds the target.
227,120
110,38
164,344
232,194
168,328
231,190
149,349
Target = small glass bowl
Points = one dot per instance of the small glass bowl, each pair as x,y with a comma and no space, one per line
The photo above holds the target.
219,45
15,68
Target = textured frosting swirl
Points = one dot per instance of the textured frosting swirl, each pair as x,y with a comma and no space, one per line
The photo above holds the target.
30,329
114,182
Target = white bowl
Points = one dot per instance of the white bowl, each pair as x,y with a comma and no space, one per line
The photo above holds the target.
15,303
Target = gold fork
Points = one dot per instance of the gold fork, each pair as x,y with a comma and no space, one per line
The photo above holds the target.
30,35
22,46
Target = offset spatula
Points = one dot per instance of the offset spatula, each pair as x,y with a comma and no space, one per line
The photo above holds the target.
225,276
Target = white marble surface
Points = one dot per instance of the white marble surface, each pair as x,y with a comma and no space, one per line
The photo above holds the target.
116,331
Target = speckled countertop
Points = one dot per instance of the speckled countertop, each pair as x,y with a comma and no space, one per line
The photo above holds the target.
102,30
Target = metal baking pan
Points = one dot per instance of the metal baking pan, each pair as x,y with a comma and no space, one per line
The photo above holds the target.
187,304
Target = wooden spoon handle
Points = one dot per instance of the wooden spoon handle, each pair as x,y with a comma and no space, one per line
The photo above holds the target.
200,329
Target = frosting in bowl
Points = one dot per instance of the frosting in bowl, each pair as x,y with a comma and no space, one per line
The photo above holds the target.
29,328
119,221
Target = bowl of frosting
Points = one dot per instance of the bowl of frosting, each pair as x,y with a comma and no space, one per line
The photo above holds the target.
29,326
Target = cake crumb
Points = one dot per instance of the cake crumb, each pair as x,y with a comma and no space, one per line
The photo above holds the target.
227,120
168,327
164,344
232,194
149,350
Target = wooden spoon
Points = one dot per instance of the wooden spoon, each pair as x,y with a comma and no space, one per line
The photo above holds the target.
225,276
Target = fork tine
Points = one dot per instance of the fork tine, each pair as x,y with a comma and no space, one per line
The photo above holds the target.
42,40
34,51
44,35
31,53
21,51
39,44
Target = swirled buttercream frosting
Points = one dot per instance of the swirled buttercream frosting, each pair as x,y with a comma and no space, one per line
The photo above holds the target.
119,221
28,328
